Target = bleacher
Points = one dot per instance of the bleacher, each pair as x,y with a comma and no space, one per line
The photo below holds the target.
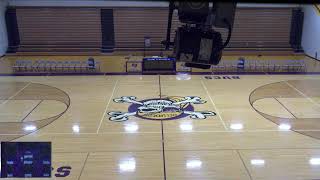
225,66
237,66
51,66
264,66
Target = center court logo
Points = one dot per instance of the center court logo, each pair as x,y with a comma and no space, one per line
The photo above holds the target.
169,108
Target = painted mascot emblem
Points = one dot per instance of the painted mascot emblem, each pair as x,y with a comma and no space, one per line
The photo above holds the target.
169,108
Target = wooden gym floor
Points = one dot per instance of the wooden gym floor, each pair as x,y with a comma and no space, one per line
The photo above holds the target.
169,127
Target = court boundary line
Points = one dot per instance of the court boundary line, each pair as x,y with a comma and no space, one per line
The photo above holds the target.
229,131
107,106
4,102
243,163
227,149
32,110
292,113
163,152
307,97
287,109
84,164
162,135
214,105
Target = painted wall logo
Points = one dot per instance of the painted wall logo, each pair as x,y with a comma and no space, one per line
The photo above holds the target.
222,77
169,108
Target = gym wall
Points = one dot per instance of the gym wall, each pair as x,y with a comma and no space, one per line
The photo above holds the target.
311,31
86,29
59,29
3,30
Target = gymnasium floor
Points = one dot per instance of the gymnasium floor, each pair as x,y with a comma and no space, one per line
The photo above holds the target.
215,127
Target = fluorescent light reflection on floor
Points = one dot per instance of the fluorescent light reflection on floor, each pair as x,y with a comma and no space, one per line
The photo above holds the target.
131,127
183,76
127,165
257,162
236,126
186,126
76,128
314,161
193,164
30,128
284,127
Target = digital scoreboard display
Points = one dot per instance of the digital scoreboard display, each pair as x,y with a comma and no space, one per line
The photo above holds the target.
158,64
25,159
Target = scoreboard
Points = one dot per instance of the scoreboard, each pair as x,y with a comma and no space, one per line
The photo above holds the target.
25,159
158,64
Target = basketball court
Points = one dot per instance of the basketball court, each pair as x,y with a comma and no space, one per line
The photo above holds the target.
250,127
162,90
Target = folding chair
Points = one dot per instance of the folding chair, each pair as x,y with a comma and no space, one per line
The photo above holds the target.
83,66
259,66
303,66
59,66
38,65
35,66
271,66
221,67
293,66
41,66
300,66
285,67
240,65
17,65
268,66
52,65
67,65
91,65
250,65
290,65
77,66
214,68
264,65
24,65
46,65
72,66
229,66
28,65
97,66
